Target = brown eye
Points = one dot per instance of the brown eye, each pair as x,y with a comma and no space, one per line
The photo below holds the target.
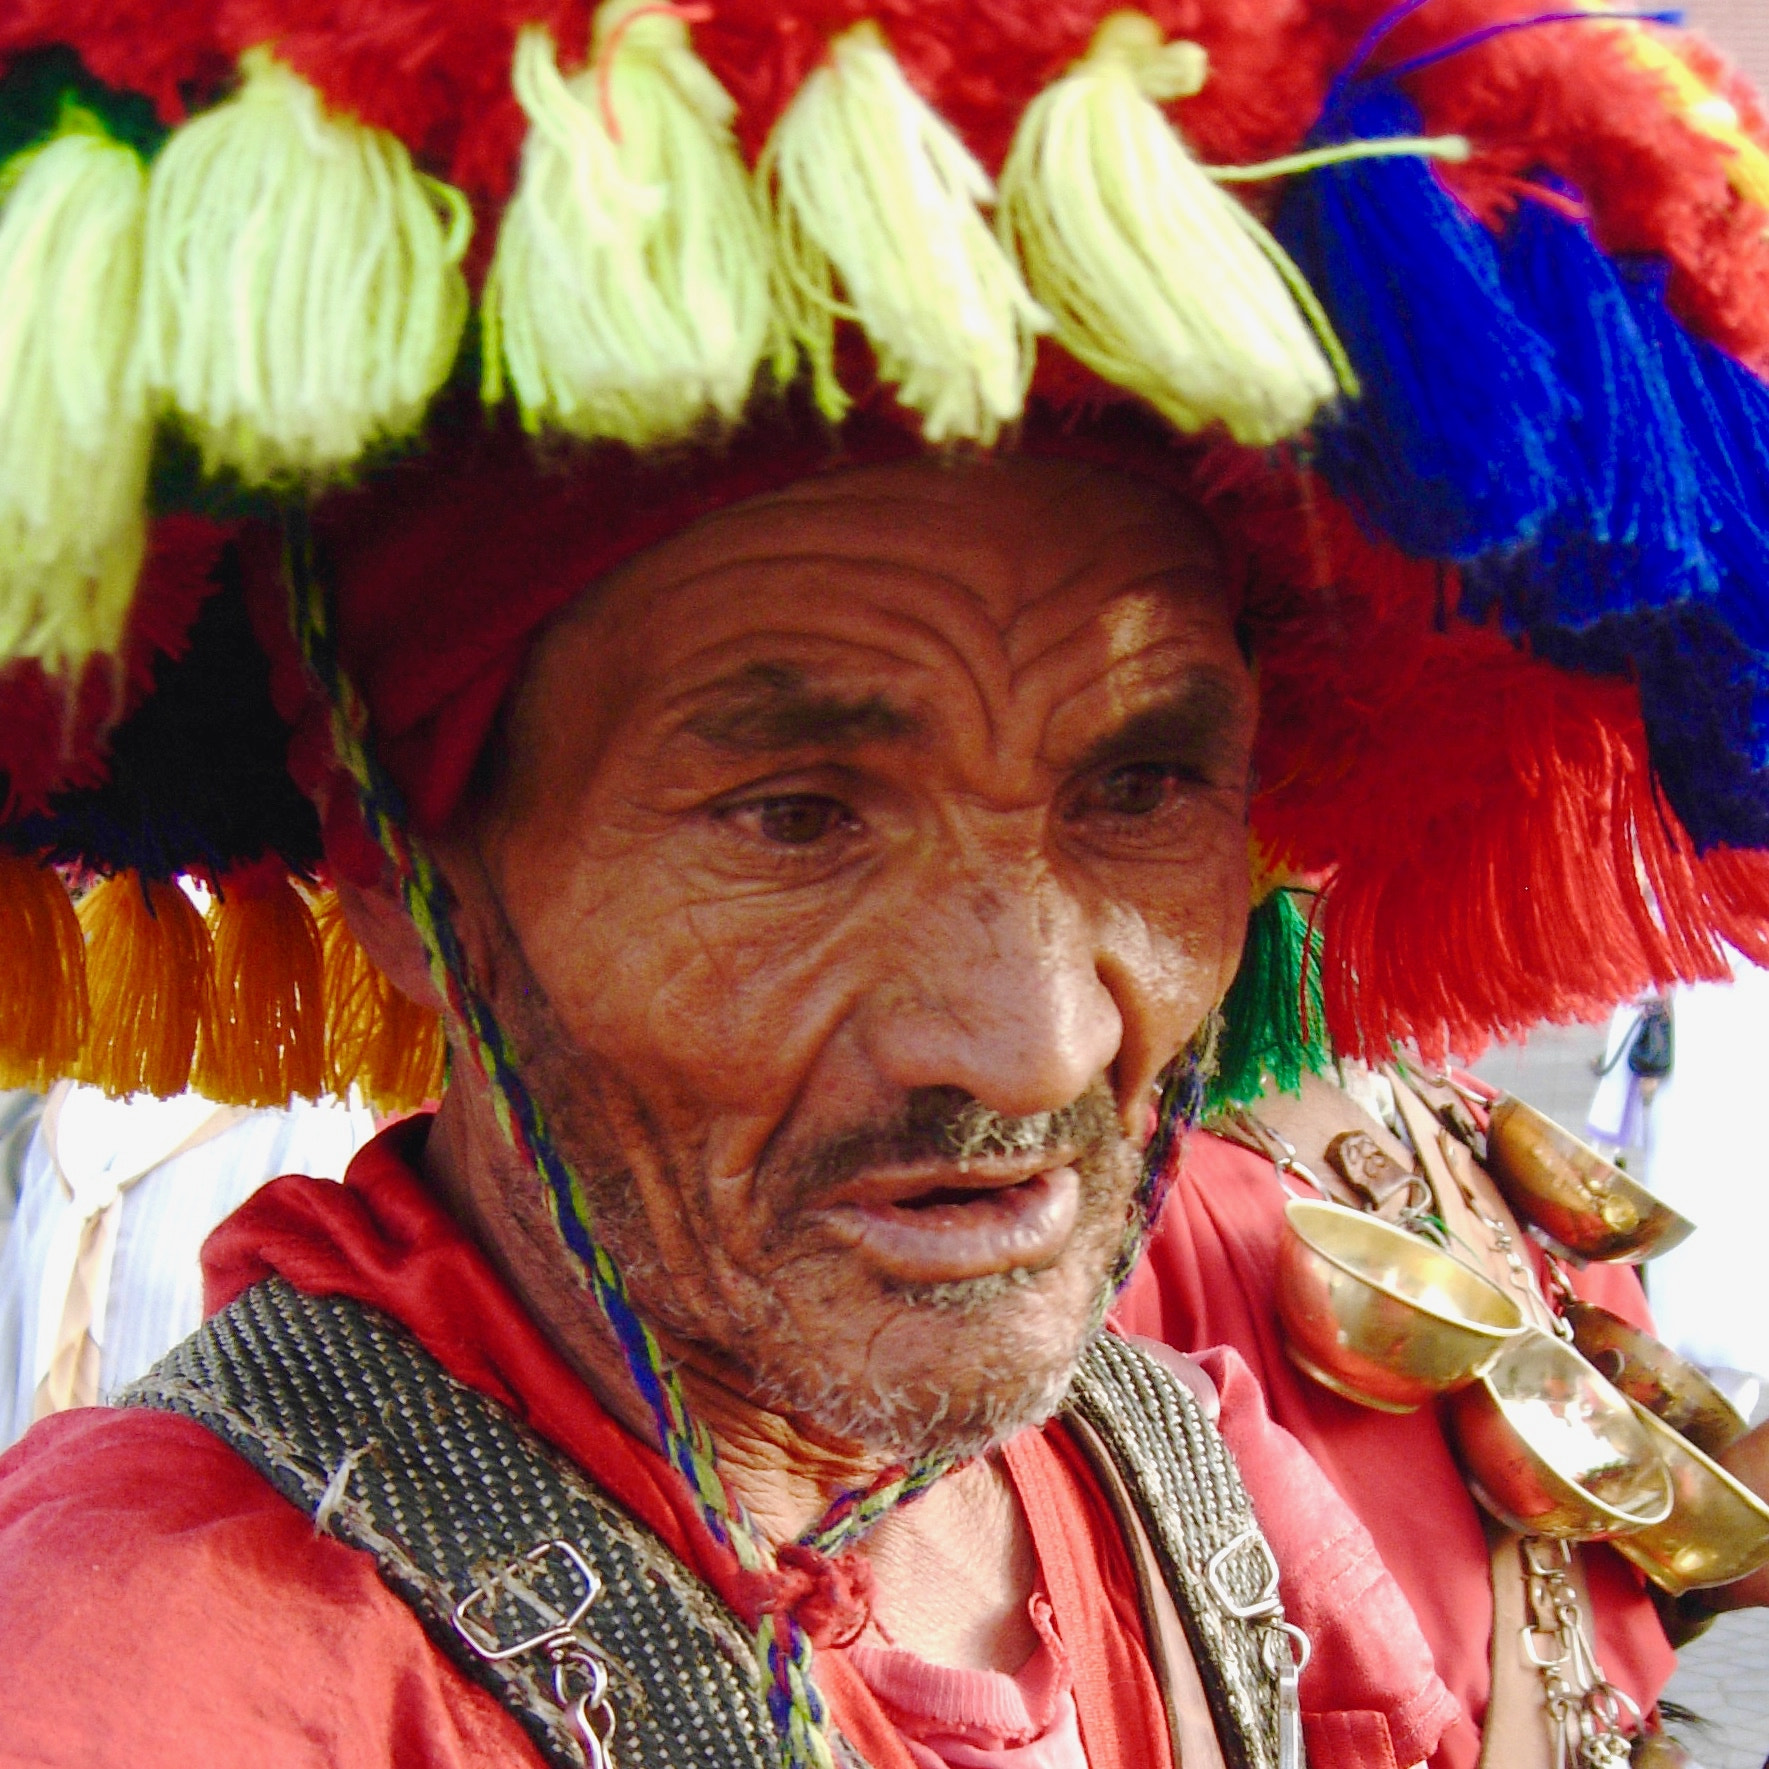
1138,789
801,820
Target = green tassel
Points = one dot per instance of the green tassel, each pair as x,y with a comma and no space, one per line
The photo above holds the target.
1264,1042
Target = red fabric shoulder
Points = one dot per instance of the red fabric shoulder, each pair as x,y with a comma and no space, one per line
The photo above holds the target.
383,1240
1208,1279
161,1605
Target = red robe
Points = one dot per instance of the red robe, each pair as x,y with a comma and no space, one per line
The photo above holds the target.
1207,1279
161,1607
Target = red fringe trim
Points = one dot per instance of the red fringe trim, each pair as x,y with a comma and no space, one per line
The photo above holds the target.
53,730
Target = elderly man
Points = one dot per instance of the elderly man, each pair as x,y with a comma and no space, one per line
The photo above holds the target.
842,947
814,790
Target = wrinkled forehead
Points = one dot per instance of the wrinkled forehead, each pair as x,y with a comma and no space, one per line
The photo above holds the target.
1000,567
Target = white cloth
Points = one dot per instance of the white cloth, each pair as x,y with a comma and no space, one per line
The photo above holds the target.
116,1199
1706,1156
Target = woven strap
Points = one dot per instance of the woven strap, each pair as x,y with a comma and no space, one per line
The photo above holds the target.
1219,1568
354,1422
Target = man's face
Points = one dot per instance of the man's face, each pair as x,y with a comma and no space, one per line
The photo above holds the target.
865,853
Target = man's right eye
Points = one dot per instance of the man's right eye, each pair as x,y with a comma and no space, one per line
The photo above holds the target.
799,820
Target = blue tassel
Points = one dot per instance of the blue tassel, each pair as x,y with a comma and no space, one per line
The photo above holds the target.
1704,699
1725,413
1453,449
1628,531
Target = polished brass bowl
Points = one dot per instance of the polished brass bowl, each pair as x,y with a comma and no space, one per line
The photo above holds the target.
1551,1449
1380,1316
1650,1374
1718,1529
1564,1186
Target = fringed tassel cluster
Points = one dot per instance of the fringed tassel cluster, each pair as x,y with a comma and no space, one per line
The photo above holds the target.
1158,280
629,297
1452,451
302,297
151,984
267,999
1274,1023
870,190
265,1042
75,431
43,1005
377,1039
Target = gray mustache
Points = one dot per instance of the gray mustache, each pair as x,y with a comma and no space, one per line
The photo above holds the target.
948,1124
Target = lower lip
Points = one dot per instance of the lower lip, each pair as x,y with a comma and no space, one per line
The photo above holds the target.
1020,1227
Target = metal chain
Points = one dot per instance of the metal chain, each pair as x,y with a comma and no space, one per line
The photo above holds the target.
1592,1720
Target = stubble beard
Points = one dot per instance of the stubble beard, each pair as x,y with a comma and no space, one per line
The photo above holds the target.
1008,1342
1000,1360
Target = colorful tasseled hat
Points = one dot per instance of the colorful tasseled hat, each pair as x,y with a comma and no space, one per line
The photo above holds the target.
1455,313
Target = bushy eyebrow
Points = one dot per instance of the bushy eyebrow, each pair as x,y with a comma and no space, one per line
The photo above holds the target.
769,709
1189,726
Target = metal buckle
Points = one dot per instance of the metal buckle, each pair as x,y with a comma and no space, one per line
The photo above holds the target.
588,1713
510,1577
1266,1603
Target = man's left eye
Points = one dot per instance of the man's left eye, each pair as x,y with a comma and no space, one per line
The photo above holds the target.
1134,789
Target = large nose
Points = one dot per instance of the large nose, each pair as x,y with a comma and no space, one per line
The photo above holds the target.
996,987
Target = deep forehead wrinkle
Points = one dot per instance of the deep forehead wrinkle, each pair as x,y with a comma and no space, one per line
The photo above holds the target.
768,708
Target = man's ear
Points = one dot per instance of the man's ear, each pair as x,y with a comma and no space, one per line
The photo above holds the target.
385,932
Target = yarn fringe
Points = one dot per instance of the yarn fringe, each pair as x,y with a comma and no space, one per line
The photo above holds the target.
1266,1039
43,1004
377,1038
264,1045
629,295
1157,280
1452,451
302,293
76,435
865,183
150,983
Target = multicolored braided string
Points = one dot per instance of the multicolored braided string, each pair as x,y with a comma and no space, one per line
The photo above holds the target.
783,1647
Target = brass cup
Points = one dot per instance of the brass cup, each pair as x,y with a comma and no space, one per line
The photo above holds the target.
1564,1186
1653,1376
1718,1529
1380,1316
1551,1449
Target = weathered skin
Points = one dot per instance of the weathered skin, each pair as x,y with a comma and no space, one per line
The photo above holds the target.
910,787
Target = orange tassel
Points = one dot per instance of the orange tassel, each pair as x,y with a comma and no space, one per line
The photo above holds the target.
265,1044
147,970
376,1037
43,1006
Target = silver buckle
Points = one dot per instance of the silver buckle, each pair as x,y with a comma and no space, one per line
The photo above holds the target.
588,1712
1266,1601
510,1577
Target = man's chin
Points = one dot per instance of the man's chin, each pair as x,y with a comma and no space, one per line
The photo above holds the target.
962,1368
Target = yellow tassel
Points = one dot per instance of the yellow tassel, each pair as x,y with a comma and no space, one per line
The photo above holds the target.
376,1038
147,970
1159,282
265,1043
75,433
43,1009
302,294
867,184
629,295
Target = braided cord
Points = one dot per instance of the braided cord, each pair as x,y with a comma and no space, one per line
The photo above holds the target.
783,1648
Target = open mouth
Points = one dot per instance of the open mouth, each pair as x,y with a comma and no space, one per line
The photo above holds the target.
944,1232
